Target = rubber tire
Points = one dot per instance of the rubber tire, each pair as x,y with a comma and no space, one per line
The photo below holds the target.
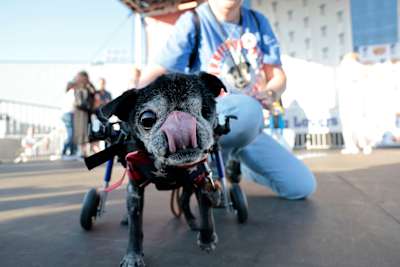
239,202
89,209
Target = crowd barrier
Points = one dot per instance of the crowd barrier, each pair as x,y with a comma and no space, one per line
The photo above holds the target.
17,118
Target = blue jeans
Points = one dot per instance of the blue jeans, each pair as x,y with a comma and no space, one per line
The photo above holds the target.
263,160
68,119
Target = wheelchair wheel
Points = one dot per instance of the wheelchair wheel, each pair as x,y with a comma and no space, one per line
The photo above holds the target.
89,209
239,202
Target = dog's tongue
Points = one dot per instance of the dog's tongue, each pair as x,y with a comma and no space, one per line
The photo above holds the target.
180,129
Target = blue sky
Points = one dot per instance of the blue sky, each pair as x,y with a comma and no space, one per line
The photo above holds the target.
59,30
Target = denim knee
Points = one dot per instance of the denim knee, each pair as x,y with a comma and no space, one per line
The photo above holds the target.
292,188
304,188
249,123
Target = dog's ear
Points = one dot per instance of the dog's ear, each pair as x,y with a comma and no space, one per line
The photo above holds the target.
212,83
121,106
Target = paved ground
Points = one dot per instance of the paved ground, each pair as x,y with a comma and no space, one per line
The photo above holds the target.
352,220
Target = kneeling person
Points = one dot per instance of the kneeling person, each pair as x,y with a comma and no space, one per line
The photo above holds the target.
237,44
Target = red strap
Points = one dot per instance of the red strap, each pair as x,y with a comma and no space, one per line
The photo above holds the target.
116,184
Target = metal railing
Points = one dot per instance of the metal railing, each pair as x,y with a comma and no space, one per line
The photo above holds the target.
17,116
332,140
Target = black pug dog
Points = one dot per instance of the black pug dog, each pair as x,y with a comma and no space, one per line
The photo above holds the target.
173,121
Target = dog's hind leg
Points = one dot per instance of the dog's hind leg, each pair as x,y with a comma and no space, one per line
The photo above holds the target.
134,253
207,238
184,202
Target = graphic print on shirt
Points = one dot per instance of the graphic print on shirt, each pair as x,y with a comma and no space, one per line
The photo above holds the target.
238,62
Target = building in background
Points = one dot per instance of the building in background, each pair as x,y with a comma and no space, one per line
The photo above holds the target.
324,30
375,28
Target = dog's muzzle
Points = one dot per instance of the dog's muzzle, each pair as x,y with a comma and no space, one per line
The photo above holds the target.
180,130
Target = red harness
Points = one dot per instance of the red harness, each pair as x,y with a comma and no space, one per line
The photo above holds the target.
141,159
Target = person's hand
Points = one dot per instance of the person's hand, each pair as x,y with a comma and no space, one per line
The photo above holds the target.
266,98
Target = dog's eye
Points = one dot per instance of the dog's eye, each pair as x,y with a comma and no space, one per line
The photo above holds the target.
148,119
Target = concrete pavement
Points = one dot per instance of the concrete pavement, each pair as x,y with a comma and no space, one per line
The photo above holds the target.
352,220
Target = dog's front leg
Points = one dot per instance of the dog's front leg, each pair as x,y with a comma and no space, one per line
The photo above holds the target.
134,254
207,238
184,202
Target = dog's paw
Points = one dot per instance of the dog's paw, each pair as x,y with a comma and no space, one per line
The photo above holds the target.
124,221
132,260
193,225
209,246
214,197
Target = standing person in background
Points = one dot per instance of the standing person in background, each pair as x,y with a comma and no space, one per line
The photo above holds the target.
238,45
68,119
101,97
352,105
84,102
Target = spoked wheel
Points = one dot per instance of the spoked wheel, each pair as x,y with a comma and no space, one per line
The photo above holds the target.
239,202
90,205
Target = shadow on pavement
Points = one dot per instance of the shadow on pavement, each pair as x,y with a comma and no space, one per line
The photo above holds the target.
350,221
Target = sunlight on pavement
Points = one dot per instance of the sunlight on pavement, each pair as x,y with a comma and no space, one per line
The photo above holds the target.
42,195
311,155
29,212
338,162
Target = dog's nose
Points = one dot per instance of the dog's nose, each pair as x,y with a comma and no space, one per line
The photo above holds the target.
180,129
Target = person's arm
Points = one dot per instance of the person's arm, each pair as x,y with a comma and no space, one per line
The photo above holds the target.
272,65
174,56
149,74
275,86
276,79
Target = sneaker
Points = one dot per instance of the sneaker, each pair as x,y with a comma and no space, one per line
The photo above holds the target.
68,157
350,151
367,150
124,220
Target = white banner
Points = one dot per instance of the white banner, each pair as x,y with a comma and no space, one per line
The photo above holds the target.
310,99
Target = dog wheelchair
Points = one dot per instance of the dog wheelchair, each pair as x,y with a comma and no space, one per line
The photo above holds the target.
120,145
